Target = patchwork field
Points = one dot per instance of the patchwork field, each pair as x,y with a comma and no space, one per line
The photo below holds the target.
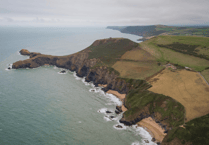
187,51
187,87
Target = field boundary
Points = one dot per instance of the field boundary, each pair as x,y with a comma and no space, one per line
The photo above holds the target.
204,78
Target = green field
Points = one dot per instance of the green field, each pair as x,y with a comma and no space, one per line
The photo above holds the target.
166,49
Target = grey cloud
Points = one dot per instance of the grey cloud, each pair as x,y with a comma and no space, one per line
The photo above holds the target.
105,12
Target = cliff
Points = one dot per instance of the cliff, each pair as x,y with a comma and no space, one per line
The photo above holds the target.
95,63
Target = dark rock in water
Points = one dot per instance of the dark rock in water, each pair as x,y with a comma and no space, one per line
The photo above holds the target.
153,139
63,71
118,109
92,90
9,68
112,116
108,111
119,126
117,112
146,141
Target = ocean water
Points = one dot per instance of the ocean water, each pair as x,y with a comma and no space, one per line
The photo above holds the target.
42,107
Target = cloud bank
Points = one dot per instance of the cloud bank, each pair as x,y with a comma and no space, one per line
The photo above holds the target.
103,12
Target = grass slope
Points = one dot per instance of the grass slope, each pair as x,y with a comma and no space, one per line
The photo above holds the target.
110,50
196,132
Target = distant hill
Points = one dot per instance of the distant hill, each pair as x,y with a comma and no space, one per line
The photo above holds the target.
154,30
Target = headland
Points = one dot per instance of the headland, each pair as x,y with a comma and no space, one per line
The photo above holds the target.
130,70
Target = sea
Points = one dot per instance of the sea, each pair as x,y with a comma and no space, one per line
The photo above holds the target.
41,106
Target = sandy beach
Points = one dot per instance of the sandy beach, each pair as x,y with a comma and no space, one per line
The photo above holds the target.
153,128
148,124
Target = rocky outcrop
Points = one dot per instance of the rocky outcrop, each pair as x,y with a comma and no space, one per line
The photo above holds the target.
24,52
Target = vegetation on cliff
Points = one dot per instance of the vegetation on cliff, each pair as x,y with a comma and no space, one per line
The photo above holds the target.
110,50
142,103
194,132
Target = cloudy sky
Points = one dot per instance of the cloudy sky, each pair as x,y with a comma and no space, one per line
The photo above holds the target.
103,12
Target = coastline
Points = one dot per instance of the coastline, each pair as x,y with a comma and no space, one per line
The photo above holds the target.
154,129
74,63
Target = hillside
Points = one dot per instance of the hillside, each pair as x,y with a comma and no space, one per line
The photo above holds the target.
154,30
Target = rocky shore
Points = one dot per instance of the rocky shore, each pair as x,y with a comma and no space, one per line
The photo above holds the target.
106,76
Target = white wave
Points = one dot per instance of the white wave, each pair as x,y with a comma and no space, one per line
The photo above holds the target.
114,99
92,90
86,83
142,133
76,77
135,143
120,124
92,85
9,66
62,73
102,110
107,118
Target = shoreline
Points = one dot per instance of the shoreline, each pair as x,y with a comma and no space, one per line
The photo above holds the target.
153,128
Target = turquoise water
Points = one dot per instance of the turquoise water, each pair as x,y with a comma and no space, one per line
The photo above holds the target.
42,107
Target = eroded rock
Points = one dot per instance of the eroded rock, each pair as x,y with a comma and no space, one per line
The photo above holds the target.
24,52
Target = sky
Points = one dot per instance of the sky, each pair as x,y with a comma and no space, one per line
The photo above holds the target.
103,12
